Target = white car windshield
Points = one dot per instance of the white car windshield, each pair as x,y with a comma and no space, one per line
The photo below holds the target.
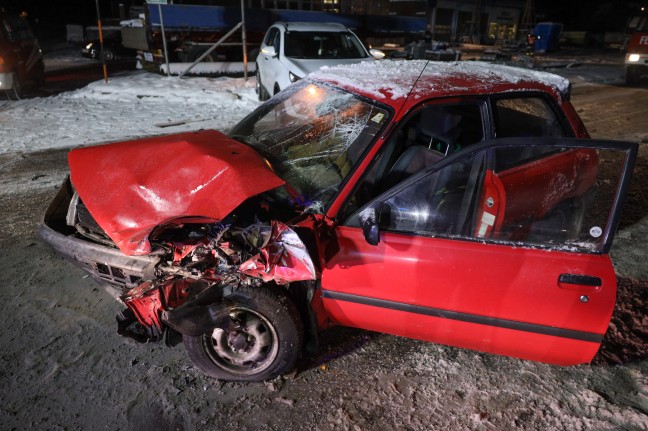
313,135
323,45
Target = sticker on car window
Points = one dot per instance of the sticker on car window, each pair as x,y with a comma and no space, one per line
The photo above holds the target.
378,118
596,231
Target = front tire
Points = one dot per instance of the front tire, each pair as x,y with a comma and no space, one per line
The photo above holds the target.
16,90
633,75
262,339
260,89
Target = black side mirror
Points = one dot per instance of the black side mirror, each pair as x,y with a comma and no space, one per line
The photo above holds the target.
369,222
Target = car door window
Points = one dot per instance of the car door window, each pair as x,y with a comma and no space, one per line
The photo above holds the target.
426,137
526,116
271,37
560,198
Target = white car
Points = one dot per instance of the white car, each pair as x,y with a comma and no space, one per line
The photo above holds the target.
292,50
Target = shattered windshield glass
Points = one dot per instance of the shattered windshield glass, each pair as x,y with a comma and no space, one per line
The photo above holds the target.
313,135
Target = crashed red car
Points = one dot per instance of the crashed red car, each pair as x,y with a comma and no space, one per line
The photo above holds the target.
459,203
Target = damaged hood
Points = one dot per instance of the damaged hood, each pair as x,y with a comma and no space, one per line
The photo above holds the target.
134,186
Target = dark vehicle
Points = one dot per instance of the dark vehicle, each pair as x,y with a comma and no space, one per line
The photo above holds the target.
21,60
112,48
636,57
458,203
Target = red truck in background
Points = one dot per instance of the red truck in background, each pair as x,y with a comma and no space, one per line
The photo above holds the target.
636,60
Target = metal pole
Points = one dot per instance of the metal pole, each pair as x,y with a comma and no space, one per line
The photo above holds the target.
211,49
103,59
164,44
245,58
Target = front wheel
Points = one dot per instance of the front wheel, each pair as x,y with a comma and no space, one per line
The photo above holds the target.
16,90
262,338
633,75
260,89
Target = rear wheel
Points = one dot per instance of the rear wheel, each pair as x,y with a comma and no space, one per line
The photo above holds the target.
262,338
196,53
109,55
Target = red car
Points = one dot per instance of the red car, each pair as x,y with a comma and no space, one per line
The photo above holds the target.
459,203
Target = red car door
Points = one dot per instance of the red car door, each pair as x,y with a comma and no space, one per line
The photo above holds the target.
502,248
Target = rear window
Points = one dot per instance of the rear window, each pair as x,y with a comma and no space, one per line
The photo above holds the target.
526,116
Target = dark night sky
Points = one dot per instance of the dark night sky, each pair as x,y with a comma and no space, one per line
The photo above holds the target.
591,15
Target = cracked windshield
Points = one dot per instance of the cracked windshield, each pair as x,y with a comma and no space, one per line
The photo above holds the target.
313,137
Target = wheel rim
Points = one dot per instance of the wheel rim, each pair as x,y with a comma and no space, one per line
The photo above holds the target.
248,346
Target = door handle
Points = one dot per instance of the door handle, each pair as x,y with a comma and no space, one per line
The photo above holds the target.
575,281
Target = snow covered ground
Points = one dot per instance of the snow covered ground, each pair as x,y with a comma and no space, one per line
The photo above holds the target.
134,105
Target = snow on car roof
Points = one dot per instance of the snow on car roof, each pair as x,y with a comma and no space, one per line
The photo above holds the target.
392,79
312,26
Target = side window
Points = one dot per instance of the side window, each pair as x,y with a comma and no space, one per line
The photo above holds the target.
527,116
561,200
273,39
441,203
16,28
427,136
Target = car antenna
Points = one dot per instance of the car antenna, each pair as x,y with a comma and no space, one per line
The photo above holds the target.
410,90
417,79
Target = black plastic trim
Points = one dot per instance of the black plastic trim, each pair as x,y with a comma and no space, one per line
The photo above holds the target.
466,317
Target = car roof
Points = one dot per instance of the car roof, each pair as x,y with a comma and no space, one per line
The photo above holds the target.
311,26
391,81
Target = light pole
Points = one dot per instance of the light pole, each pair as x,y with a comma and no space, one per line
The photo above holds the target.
103,59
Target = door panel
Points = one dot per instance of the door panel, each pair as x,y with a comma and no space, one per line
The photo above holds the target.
545,294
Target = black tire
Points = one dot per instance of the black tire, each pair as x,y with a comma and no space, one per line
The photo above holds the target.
260,89
263,338
633,75
109,55
195,54
16,91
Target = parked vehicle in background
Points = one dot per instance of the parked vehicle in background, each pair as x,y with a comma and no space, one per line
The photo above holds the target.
21,59
112,48
193,29
636,58
458,203
292,50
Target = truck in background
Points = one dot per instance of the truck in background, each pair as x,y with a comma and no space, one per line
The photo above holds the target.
191,30
636,57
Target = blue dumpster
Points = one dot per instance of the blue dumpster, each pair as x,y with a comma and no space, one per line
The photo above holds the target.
547,36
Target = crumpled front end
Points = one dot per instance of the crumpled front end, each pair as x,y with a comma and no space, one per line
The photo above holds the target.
171,223
131,188
189,292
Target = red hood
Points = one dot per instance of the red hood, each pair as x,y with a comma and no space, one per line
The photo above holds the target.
132,187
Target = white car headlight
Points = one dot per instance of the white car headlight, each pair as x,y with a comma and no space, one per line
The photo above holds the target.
633,57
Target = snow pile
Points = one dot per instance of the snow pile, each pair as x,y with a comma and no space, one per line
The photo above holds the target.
141,104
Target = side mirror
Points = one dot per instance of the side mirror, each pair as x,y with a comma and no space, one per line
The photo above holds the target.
369,223
269,51
377,54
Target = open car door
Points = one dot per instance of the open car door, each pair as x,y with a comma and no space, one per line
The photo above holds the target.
501,248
